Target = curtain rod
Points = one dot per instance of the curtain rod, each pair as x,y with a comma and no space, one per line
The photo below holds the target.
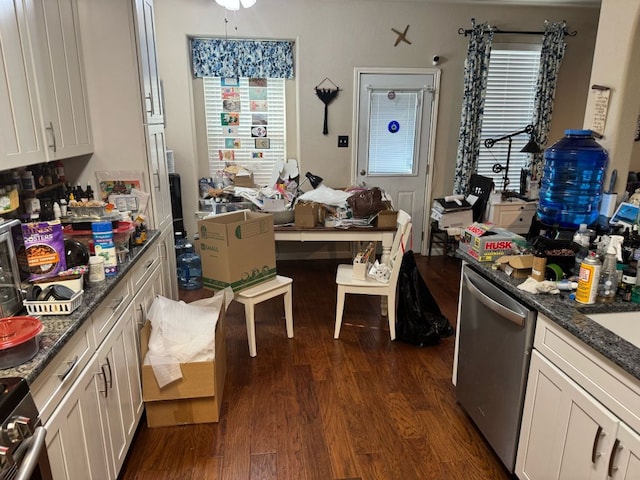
462,31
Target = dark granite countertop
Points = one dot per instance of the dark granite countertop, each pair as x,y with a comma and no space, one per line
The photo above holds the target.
571,316
58,329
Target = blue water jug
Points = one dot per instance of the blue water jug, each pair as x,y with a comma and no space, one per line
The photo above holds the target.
572,180
189,269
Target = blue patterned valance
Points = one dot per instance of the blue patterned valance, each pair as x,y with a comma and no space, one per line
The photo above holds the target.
215,57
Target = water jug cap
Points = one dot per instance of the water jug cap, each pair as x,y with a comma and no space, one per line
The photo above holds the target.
579,132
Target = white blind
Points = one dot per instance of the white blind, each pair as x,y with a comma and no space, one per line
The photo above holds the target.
260,107
392,132
508,108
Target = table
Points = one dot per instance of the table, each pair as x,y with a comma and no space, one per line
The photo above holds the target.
332,234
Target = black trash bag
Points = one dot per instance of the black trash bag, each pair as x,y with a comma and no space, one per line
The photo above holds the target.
419,320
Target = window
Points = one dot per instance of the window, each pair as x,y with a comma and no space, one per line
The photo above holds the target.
508,108
245,121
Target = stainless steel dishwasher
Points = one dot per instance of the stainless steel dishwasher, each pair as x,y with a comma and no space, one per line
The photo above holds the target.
494,350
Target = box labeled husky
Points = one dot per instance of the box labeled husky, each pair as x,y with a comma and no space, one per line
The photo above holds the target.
486,243
237,250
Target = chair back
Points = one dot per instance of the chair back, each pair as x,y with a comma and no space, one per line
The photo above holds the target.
481,187
398,248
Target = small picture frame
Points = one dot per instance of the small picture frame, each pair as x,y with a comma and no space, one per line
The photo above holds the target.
263,143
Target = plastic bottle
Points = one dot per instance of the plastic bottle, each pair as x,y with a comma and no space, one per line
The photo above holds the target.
104,246
608,282
582,238
189,268
539,265
572,180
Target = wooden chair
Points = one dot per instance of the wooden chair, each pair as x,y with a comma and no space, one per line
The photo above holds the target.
347,284
264,291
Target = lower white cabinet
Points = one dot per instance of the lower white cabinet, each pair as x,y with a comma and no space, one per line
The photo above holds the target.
75,440
168,257
568,434
92,427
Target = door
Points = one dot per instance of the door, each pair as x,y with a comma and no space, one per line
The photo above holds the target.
159,177
395,137
151,87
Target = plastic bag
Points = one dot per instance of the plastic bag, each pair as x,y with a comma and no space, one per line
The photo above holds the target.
419,320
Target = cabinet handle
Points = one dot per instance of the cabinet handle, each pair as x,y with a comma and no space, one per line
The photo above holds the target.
149,97
110,373
156,175
104,379
67,371
596,440
614,451
141,321
116,303
53,146
148,264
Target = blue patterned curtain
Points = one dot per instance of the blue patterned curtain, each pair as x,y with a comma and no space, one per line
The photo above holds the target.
551,55
475,85
214,57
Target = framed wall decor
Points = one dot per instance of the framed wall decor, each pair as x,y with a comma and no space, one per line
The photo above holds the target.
263,143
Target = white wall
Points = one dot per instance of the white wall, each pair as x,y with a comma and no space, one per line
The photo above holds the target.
334,36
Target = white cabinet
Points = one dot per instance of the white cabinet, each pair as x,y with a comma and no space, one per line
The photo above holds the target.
580,414
168,258
121,393
515,216
148,60
75,438
20,126
159,175
59,71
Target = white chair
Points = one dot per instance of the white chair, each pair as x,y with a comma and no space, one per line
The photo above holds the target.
347,284
264,291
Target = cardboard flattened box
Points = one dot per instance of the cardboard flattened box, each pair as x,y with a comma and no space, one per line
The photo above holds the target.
237,250
487,243
244,181
516,266
196,397
387,219
309,214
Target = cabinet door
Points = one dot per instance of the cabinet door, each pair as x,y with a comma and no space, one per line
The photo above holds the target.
20,135
169,267
159,177
565,433
148,59
59,69
75,438
624,462
145,297
121,402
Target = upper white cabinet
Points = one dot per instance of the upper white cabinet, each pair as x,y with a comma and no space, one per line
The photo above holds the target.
150,77
59,72
20,126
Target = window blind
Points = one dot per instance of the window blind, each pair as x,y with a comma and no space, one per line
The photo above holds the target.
509,102
239,144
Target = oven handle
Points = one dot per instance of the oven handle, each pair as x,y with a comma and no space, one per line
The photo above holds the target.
32,457
490,303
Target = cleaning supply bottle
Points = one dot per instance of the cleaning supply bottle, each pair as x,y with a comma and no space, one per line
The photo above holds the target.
582,239
588,279
608,281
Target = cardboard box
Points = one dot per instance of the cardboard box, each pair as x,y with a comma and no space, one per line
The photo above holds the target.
456,219
244,181
309,214
196,397
237,249
516,266
387,219
360,270
487,243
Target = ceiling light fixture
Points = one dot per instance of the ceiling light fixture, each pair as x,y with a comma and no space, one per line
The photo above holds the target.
235,4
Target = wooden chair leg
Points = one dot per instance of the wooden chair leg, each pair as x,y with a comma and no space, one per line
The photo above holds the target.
249,311
288,312
339,311
392,314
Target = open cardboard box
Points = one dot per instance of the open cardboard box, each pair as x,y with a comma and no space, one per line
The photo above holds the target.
516,266
196,397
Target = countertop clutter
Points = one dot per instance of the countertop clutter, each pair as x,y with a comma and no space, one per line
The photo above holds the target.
58,329
571,316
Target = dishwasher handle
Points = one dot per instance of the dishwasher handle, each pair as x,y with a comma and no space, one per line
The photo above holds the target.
488,302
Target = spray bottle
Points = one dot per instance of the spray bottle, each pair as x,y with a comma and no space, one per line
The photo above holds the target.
608,282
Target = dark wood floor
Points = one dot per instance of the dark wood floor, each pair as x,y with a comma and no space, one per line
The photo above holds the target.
312,407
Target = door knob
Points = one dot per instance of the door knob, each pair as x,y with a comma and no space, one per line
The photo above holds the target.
363,172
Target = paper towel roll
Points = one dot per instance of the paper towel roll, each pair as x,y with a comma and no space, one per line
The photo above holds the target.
608,204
